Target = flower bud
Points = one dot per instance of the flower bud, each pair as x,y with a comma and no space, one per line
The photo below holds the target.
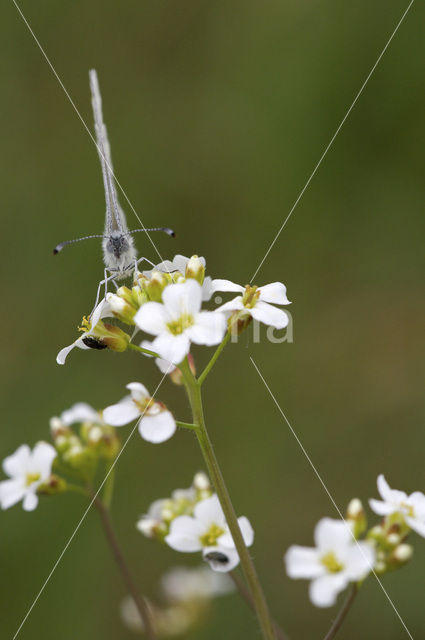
54,485
402,553
156,285
195,269
393,539
121,307
201,482
356,515
107,336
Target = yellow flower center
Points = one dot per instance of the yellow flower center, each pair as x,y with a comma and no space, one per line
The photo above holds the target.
85,325
209,539
330,561
250,297
31,477
176,327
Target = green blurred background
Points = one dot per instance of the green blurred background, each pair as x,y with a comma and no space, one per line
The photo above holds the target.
217,113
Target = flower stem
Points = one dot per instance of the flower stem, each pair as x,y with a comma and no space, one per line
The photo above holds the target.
147,352
139,600
186,425
214,358
246,595
342,614
194,392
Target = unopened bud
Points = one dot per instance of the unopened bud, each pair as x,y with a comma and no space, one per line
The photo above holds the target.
393,539
402,553
195,269
201,482
121,307
356,515
53,485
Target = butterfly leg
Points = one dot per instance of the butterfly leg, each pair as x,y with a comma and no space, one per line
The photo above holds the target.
136,269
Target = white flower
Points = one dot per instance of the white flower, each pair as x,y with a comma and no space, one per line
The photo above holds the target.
27,471
79,413
412,507
256,301
180,263
102,310
181,584
179,321
156,424
336,561
207,531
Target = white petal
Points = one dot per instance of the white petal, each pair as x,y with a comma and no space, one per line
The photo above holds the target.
166,266
138,391
42,458
267,314
221,558
179,263
274,293
30,501
184,298
209,328
324,590
185,533
121,413
16,464
172,348
79,412
157,428
303,562
388,494
152,317
63,353
417,501
225,285
233,305
11,492
102,310
164,365
332,535
247,534
359,560
381,508
209,512
207,289
417,526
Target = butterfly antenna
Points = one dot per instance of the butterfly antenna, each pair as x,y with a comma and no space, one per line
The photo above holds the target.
61,245
166,230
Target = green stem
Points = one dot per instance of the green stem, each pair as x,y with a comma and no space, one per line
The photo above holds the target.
342,614
186,425
194,392
214,358
246,595
147,352
139,600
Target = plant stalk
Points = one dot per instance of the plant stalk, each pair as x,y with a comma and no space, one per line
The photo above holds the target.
194,392
139,600
342,614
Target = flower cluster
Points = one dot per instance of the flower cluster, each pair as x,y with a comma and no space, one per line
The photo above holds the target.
192,520
156,523
186,596
30,473
166,302
340,558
